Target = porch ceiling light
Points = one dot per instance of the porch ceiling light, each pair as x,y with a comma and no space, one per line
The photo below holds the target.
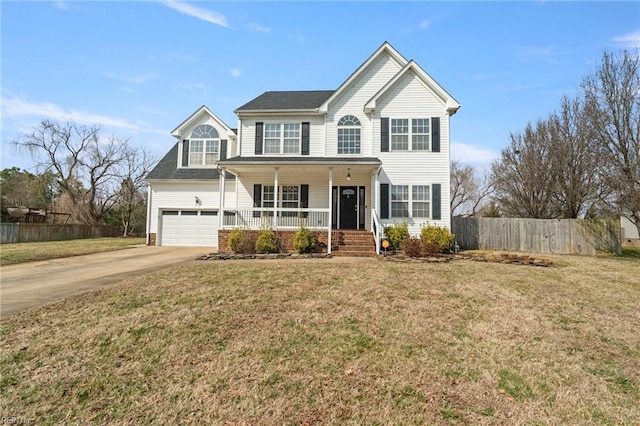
349,174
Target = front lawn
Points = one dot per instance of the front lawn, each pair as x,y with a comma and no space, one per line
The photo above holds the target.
29,252
340,341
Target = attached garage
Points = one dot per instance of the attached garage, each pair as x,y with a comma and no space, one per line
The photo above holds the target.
189,228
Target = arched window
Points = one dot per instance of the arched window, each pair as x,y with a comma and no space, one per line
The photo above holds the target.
349,135
204,146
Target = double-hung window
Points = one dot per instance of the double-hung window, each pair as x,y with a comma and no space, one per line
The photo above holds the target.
400,200
399,134
288,196
414,199
409,134
204,146
420,198
282,138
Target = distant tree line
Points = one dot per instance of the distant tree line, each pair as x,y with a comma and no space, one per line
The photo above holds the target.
96,180
582,160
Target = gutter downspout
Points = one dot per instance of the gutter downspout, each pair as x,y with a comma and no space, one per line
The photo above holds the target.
149,216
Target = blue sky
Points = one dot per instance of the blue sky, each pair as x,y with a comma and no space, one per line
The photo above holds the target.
140,68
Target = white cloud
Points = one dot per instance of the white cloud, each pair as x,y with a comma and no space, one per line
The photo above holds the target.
16,107
61,5
297,37
630,40
423,25
536,53
235,72
197,12
471,154
136,79
259,28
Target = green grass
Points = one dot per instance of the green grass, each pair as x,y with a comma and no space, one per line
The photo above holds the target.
341,341
30,252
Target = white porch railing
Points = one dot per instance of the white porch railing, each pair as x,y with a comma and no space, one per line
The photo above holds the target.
262,218
376,229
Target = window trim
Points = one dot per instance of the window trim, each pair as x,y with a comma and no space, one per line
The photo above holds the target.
409,134
206,141
281,201
410,200
344,126
281,137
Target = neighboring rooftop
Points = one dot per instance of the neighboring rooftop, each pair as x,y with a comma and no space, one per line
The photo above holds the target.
288,100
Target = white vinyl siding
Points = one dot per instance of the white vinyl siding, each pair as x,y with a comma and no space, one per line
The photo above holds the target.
316,135
181,196
409,98
352,100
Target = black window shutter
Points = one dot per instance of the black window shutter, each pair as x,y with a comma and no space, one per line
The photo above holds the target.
384,134
435,134
185,153
259,127
436,202
223,149
257,198
304,196
384,201
305,138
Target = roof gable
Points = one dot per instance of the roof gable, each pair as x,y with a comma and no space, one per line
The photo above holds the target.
203,110
385,48
450,103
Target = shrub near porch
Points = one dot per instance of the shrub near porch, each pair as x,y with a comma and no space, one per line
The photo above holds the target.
285,239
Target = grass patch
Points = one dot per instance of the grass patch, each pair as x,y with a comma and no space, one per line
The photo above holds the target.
30,252
338,341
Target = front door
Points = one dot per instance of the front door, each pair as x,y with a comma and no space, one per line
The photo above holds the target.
348,207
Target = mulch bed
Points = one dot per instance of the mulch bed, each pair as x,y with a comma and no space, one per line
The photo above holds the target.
506,258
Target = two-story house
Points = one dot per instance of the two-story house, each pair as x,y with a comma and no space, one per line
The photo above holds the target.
373,152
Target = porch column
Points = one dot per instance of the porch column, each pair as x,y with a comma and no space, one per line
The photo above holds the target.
221,190
374,195
275,200
330,209
377,189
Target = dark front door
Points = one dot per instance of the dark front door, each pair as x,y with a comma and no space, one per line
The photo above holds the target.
348,207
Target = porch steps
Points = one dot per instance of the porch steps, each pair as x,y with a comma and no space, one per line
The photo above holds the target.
353,243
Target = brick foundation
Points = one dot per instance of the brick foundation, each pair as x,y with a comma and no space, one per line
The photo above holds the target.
152,239
285,239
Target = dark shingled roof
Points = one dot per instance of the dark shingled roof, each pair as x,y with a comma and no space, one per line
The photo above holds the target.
167,168
293,100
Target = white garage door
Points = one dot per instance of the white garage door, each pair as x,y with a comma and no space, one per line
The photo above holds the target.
189,228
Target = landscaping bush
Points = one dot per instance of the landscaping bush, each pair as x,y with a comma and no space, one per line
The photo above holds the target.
242,241
435,239
304,241
412,247
267,242
396,234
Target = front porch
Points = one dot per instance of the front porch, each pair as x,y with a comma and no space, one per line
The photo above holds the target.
328,196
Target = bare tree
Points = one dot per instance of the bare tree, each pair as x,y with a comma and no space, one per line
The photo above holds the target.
612,96
131,198
574,160
469,192
522,176
89,168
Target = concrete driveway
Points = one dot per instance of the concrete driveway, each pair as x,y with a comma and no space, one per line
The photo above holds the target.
32,284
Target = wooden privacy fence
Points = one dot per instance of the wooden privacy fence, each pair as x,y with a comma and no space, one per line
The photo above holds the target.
32,232
571,236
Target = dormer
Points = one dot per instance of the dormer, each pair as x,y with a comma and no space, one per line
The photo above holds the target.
204,140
